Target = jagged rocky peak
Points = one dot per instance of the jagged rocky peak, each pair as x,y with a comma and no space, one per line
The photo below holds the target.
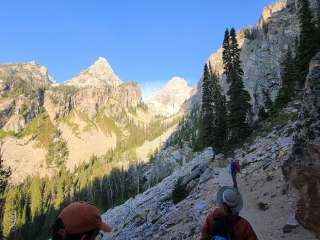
169,99
99,75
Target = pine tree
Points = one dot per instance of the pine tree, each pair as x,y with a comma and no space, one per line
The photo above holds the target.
262,114
220,114
239,99
226,55
318,25
35,197
268,103
286,92
207,110
307,40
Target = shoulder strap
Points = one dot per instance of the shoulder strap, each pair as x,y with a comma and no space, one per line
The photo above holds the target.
231,222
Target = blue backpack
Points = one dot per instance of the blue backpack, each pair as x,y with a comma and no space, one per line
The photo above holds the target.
223,227
234,167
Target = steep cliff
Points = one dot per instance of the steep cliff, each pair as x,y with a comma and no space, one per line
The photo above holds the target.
263,49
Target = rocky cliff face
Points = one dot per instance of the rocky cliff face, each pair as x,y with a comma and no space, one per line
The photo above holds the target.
30,75
21,94
169,100
263,49
303,167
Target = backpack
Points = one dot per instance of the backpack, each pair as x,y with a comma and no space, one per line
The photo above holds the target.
234,167
223,227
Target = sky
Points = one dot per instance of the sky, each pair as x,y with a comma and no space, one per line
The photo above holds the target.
147,41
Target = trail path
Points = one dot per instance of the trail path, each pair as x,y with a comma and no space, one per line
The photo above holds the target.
267,223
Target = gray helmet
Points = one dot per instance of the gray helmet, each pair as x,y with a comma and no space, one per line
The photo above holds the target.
231,197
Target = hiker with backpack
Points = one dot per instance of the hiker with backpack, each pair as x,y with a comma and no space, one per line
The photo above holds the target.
79,221
234,169
224,223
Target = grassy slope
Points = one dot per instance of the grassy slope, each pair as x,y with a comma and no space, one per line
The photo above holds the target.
40,129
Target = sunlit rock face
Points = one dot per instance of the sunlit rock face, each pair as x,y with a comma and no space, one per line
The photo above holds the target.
263,50
21,93
100,74
168,100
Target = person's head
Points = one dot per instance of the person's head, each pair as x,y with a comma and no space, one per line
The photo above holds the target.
79,220
230,200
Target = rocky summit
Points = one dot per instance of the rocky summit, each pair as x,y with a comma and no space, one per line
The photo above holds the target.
99,75
170,98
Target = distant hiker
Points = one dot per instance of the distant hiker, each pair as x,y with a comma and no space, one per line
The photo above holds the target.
79,221
234,170
224,223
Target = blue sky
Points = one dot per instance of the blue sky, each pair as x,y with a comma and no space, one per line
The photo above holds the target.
147,41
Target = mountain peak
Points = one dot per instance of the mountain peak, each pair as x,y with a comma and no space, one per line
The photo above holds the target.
169,99
99,74
101,62
177,83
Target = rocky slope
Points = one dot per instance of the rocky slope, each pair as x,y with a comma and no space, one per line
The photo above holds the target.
168,100
152,215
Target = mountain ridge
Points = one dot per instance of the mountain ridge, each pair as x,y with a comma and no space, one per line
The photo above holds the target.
37,115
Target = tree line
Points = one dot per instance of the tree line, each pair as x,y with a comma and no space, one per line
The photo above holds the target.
29,209
225,122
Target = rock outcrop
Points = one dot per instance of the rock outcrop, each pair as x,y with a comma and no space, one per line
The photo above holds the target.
169,100
303,167
152,215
